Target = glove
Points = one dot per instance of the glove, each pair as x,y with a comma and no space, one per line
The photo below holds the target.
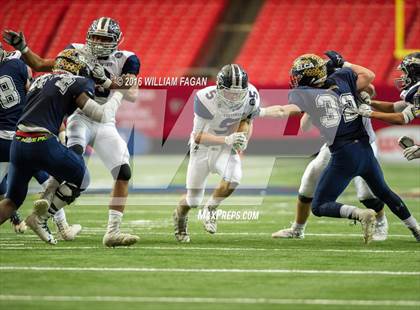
240,147
364,110
15,39
365,98
98,74
409,113
337,61
412,152
237,140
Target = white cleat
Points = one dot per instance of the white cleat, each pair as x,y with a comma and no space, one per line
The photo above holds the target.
119,239
368,220
210,219
380,232
68,232
181,227
39,225
416,233
289,233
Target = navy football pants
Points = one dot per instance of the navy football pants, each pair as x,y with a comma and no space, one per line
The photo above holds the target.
50,156
40,176
351,160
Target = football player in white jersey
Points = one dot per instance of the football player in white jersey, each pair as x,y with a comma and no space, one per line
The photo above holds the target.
223,116
102,41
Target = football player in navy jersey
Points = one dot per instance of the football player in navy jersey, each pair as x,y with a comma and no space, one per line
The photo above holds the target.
400,112
102,40
330,102
14,83
36,147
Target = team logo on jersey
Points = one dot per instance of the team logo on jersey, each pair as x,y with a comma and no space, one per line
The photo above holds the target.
118,55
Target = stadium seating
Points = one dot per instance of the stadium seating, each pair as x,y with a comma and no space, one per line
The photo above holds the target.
37,21
363,31
167,35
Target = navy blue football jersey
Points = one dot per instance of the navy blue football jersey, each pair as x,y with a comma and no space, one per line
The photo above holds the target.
13,79
52,97
329,108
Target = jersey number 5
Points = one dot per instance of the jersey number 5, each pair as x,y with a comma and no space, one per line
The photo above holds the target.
9,96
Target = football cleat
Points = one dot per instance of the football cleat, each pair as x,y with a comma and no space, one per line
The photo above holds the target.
368,220
67,232
210,219
115,239
289,233
180,226
415,232
380,232
37,221
19,225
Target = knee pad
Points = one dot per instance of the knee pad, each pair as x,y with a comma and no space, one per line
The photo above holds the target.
121,173
374,204
77,148
194,198
67,192
304,199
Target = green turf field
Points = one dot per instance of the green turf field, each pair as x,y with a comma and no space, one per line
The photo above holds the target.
241,267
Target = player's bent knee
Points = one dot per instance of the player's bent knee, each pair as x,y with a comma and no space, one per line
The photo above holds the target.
77,148
121,173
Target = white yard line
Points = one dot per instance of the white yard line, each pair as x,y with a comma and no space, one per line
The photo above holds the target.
192,248
205,270
210,300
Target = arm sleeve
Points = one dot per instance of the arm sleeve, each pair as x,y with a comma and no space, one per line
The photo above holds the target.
131,65
201,110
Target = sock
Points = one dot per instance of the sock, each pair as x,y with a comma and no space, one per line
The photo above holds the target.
296,226
411,222
213,202
381,218
346,211
114,221
60,216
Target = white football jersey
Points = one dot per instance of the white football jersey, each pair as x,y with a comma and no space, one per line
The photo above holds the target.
215,118
117,64
14,55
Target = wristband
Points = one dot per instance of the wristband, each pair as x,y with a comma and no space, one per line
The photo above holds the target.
346,64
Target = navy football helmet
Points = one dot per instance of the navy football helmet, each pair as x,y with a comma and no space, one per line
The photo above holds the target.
232,85
103,37
410,67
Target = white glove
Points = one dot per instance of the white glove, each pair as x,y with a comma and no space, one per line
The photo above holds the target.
99,76
237,140
412,152
366,97
364,110
16,39
409,113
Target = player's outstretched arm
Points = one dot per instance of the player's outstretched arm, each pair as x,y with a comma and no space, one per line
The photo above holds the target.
280,111
405,117
97,112
37,63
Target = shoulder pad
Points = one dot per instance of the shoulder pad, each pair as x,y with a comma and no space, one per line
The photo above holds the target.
208,97
14,55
